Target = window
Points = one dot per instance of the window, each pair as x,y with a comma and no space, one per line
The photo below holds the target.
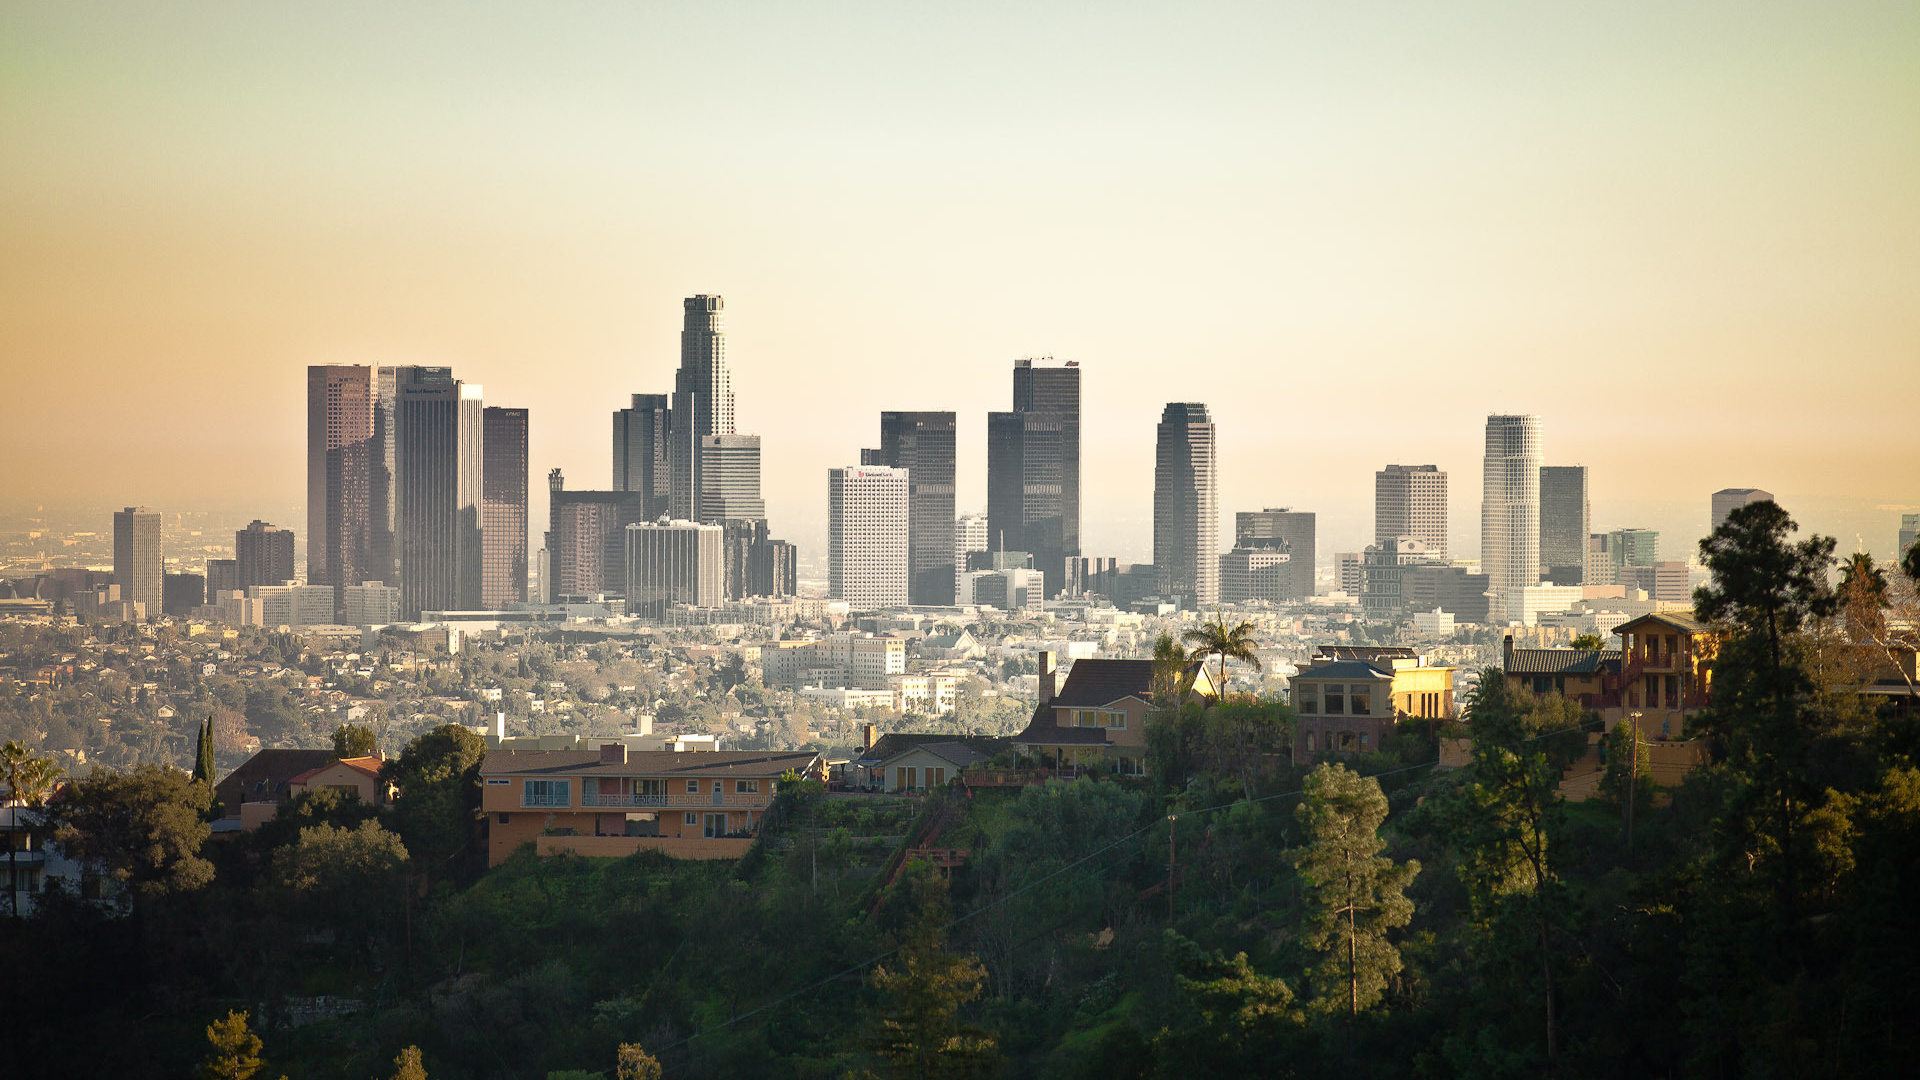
504,818
1362,696
1117,720
692,818
693,788
1309,702
546,793
746,787
1309,742
936,777
716,787
1363,742
1336,704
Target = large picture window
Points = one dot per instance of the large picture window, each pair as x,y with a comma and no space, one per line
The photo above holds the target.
1362,699
1308,699
546,793
1336,703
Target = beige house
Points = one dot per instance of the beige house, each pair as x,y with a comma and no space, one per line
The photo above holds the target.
360,776
1098,720
1349,706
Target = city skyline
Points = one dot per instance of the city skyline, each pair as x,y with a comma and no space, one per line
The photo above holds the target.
1578,201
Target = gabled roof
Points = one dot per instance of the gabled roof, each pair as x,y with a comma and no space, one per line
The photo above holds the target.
264,776
370,766
686,764
896,743
1096,682
1681,621
1344,669
1561,661
954,751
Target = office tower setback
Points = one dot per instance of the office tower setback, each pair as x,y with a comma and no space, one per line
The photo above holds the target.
438,458
1510,511
730,479
923,444
1186,506
503,507
350,461
1411,500
969,535
1566,515
702,402
867,535
1294,529
670,563
587,539
136,559
1033,468
640,441
1727,500
264,555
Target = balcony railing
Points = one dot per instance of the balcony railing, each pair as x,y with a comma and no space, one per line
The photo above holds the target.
595,798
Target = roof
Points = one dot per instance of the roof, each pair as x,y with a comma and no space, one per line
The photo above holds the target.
645,763
1095,682
959,753
1684,623
1052,734
1561,661
1344,669
896,743
368,765
1367,652
264,776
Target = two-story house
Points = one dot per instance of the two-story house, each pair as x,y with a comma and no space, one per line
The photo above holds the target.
614,801
1098,719
1666,672
1349,706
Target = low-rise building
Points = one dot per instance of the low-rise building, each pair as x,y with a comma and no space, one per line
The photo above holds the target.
613,802
1350,705
1097,720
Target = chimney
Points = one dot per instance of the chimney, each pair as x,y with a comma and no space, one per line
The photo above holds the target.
1506,652
500,725
613,753
1046,677
866,736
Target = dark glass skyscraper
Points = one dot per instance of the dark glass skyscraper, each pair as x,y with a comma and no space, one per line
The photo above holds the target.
1186,506
349,488
263,555
640,462
439,461
503,513
1033,469
1566,517
923,443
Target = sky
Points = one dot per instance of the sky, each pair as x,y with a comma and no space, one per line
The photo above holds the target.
1686,235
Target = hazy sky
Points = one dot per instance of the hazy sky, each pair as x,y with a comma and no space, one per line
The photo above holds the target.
1687,235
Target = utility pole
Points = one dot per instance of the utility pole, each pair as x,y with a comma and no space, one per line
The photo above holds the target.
1170,820
1633,780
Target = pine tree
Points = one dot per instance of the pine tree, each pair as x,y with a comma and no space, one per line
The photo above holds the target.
917,1032
203,766
236,1051
1355,894
408,1066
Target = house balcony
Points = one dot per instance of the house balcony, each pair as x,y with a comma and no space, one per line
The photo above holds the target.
598,799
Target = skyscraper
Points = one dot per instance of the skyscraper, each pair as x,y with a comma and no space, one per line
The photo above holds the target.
867,535
439,462
136,558
670,563
1033,468
923,444
1186,506
503,508
640,442
349,475
969,535
1411,500
263,554
1510,512
1727,500
702,401
1909,532
1566,516
1295,528
587,539
730,479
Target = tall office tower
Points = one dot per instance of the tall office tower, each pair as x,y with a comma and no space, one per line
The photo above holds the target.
586,539
730,479
264,554
136,558
1510,512
867,535
180,594
702,401
1566,513
1186,506
223,576
1411,500
385,563
439,465
640,441
1295,529
1909,532
773,569
969,535
503,507
1033,468
1635,547
923,444
669,563
349,480
1727,500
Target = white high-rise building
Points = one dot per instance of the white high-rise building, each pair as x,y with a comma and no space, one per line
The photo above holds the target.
969,534
1411,500
1510,513
867,536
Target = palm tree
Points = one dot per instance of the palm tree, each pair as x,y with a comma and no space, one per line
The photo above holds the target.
1228,643
1171,679
29,781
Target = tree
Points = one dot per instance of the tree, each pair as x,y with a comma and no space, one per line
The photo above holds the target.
145,825
1356,895
354,741
203,766
407,1065
439,780
1862,598
1228,643
1589,641
348,879
1172,677
236,1051
916,1031
29,780
634,1063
